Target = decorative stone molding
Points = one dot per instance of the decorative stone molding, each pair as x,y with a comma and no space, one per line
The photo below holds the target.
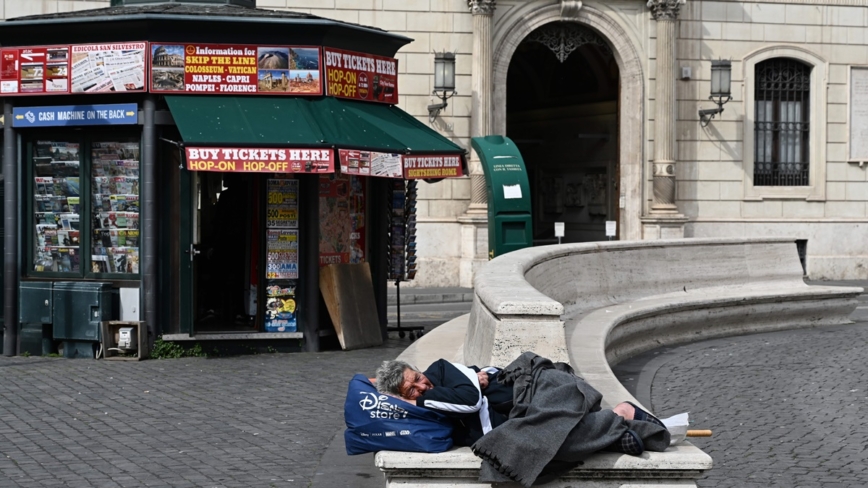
482,7
564,38
665,9
570,8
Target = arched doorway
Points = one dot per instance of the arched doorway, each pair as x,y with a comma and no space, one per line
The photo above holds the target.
562,101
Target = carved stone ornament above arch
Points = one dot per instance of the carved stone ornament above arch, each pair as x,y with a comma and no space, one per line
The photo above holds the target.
517,26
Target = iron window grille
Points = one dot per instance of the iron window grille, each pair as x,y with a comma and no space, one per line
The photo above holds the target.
782,127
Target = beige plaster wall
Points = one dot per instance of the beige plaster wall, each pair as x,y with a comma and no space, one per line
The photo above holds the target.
712,170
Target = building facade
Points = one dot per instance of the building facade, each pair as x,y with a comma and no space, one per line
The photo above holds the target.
603,99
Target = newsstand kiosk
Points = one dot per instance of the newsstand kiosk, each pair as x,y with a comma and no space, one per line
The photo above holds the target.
192,166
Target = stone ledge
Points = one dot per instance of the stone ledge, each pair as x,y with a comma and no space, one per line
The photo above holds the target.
630,297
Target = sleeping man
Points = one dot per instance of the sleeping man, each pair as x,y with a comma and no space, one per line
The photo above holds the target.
530,422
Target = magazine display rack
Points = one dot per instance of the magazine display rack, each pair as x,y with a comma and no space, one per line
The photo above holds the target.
402,244
57,206
115,207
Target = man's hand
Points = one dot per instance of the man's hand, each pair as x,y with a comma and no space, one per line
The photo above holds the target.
483,379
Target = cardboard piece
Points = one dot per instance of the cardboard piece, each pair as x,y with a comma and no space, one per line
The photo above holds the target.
349,296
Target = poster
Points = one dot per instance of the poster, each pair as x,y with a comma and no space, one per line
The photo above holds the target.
370,163
260,160
235,69
98,68
282,254
361,76
38,70
280,307
342,219
432,166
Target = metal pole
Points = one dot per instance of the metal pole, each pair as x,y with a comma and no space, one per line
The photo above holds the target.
148,187
398,303
10,237
309,259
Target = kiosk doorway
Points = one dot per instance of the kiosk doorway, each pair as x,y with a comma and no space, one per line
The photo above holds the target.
227,230
562,112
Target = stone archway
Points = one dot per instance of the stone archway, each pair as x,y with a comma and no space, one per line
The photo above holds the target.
630,130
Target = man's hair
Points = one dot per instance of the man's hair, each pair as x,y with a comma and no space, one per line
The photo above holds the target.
390,376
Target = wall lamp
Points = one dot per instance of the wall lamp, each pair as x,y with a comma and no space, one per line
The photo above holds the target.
721,81
444,82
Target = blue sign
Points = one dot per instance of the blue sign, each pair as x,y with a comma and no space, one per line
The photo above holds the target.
68,115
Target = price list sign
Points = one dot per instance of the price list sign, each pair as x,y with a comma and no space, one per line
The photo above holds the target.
282,238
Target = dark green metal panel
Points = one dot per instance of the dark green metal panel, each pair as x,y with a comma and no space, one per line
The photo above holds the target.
79,307
35,302
510,224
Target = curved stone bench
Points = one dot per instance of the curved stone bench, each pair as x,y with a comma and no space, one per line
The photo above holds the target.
596,304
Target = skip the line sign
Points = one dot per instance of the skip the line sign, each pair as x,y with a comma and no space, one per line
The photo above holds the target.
71,115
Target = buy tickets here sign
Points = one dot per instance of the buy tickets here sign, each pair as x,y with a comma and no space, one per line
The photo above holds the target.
432,166
260,160
361,76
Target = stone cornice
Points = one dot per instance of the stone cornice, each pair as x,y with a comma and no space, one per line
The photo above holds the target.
482,7
665,9
834,3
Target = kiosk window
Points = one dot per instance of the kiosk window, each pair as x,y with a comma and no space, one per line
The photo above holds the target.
85,198
57,206
115,207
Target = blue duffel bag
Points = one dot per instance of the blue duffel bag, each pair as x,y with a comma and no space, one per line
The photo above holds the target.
378,422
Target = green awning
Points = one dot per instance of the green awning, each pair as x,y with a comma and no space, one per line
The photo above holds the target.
304,122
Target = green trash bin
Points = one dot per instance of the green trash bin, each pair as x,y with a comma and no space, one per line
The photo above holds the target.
79,309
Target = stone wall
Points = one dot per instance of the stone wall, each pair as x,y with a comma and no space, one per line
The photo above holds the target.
714,171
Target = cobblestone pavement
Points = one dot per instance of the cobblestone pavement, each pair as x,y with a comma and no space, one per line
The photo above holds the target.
787,408
247,421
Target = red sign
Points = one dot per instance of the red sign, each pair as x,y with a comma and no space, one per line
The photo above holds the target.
260,160
86,68
34,70
234,69
361,76
369,163
432,166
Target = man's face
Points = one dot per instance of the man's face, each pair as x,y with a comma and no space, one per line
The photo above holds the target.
415,383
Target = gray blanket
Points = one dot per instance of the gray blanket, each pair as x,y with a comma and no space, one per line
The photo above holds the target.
556,422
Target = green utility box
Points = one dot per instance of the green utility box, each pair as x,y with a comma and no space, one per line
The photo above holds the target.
510,222
34,318
79,309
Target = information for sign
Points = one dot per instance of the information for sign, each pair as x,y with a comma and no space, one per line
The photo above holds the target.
235,69
361,76
611,228
260,160
559,229
432,166
370,163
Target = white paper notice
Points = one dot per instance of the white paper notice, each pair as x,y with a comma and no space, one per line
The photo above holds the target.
511,192
611,228
559,229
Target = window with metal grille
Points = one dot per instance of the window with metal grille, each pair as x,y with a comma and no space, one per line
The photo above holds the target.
782,127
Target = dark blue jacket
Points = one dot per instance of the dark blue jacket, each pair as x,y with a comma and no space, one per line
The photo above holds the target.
457,395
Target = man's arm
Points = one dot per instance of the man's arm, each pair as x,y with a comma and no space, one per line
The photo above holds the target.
455,392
